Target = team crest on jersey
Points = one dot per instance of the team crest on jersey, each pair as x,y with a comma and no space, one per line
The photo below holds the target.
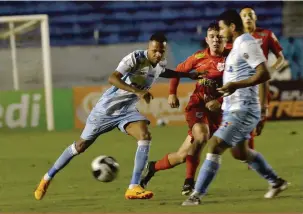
262,34
199,114
245,55
200,55
220,66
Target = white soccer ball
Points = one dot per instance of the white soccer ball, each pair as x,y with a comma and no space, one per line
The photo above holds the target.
161,122
105,168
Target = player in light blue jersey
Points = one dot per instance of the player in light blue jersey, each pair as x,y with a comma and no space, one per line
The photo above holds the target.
244,70
130,82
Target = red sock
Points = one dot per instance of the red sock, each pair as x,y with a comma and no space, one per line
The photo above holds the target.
251,142
192,164
163,164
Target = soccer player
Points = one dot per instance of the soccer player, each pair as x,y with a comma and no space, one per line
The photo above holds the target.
244,69
203,112
268,42
130,82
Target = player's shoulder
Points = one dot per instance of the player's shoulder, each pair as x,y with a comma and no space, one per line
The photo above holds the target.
263,30
244,39
163,62
200,54
137,56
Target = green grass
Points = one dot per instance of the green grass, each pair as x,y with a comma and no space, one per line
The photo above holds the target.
26,156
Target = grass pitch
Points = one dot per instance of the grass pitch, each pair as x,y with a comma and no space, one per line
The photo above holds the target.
26,156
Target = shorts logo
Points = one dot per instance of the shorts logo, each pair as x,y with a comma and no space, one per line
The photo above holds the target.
199,114
225,124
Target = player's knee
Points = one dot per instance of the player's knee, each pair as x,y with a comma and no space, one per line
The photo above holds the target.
215,146
82,145
200,133
181,156
144,136
239,155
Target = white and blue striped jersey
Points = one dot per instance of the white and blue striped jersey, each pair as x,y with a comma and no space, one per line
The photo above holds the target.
137,71
240,64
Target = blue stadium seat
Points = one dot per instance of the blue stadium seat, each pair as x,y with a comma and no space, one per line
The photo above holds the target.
73,22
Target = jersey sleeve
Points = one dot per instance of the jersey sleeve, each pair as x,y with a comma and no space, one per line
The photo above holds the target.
274,44
187,65
252,53
127,63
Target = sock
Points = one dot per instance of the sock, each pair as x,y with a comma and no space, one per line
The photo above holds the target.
251,142
260,165
207,173
140,161
163,164
62,161
192,164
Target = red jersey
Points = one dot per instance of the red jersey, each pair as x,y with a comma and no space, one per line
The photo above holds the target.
202,61
268,41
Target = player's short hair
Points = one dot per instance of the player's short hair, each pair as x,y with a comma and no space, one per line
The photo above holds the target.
213,26
158,37
232,16
247,6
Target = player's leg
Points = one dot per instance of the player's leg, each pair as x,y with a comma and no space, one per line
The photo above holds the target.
169,161
251,141
92,130
200,134
173,159
137,126
208,170
257,162
227,135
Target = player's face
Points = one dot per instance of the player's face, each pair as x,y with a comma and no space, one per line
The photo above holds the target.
156,51
248,17
225,31
214,40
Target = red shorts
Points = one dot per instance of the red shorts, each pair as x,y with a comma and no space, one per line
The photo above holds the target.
195,112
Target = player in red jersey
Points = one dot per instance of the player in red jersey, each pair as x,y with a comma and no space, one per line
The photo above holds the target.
203,112
269,43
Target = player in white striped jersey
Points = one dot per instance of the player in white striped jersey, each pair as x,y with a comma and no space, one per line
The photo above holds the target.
116,108
244,70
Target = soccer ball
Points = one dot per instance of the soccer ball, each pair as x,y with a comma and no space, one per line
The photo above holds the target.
105,168
161,122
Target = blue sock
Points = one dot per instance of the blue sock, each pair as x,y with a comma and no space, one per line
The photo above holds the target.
140,161
207,173
62,161
260,165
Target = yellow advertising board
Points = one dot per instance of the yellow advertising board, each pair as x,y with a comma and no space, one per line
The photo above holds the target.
86,97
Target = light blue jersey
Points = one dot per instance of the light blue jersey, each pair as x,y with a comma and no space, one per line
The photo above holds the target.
241,110
116,107
240,64
137,71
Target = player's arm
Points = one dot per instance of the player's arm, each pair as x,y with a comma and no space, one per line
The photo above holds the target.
168,73
115,80
276,48
185,66
252,53
125,66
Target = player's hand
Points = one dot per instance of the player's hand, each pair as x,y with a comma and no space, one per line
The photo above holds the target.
145,95
197,75
259,128
227,89
213,105
173,101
